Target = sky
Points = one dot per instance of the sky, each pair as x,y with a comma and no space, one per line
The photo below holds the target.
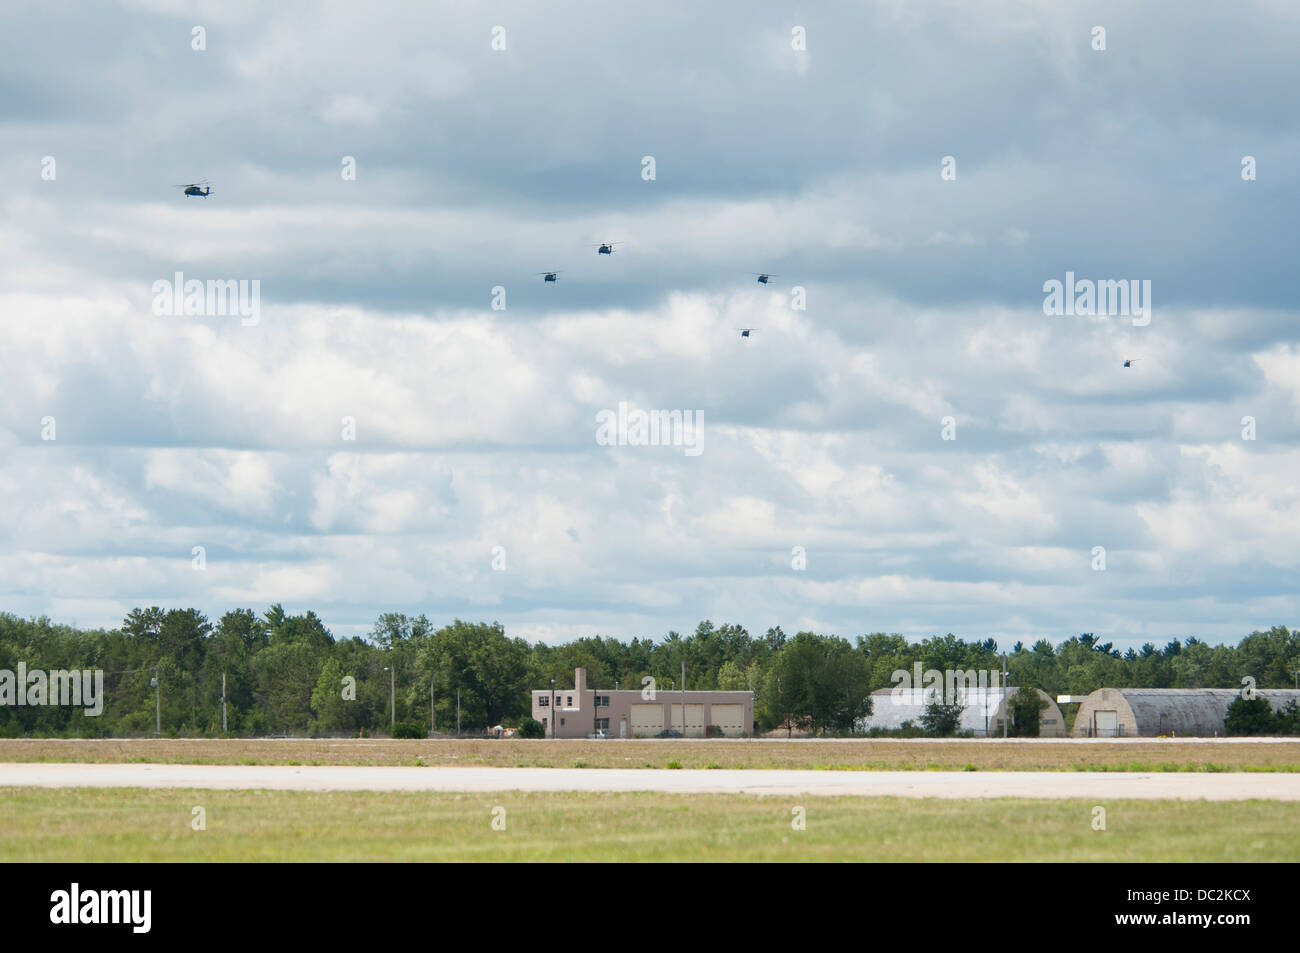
408,421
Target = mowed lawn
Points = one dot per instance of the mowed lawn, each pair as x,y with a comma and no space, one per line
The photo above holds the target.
862,755
84,824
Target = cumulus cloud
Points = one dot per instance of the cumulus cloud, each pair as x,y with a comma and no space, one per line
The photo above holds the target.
368,443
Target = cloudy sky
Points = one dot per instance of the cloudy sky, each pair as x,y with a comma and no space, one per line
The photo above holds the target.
475,427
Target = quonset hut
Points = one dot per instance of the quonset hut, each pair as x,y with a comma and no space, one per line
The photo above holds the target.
1151,712
985,709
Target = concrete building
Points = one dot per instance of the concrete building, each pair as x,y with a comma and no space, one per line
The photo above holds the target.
580,711
983,715
1151,712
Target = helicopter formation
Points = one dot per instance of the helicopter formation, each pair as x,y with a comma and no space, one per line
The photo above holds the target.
202,189
607,248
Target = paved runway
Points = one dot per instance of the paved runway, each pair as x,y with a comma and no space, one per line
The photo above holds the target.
939,784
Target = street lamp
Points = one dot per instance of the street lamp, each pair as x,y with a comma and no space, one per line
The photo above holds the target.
392,693
156,685
552,708
1006,700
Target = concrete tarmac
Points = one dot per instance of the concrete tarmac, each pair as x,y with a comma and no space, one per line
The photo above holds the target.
922,784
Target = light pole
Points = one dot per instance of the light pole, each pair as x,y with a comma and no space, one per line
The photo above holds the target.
223,703
1006,699
552,709
431,712
156,685
392,693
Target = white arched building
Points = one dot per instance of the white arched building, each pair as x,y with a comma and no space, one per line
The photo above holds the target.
985,709
1173,712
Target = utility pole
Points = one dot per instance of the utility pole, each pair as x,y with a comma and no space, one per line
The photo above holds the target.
223,703
392,693
431,712
157,704
458,713
683,698
1006,699
552,709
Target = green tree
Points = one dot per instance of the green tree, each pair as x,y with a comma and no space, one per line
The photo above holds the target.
1026,707
941,720
1250,716
327,701
531,728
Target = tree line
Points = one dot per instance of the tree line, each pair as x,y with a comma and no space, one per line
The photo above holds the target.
288,674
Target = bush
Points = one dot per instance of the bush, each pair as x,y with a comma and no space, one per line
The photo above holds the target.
1288,719
940,720
1026,706
404,729
530,728
1250,716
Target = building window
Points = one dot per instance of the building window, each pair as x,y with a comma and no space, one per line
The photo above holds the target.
602,723
568,702
602,701
561,721
543,702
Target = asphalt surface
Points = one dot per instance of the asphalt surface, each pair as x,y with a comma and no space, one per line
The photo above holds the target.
933,784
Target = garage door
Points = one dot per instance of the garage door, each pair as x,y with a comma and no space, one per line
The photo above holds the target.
730,718
1107,723
694,720
647,720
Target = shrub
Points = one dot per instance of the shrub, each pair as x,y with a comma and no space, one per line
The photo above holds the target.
940,720
1250,716
1026,705
1288,719
530,728
404,729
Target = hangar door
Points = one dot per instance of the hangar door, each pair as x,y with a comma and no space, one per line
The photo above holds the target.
1107,723
694,727
730,718
647,720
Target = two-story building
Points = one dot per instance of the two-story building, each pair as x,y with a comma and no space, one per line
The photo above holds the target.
580,711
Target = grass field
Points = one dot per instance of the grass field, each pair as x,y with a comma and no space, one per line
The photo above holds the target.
79,824
1166,755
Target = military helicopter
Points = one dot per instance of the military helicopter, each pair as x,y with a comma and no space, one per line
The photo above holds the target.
200,188
744,332
764,277
606,248
1131,361
549,275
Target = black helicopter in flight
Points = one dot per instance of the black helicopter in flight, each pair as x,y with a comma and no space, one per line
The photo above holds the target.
764,277
744,332
200,188
549,275
1130,362
606,248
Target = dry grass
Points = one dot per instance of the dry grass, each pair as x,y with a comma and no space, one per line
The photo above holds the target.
1164,755
88,825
